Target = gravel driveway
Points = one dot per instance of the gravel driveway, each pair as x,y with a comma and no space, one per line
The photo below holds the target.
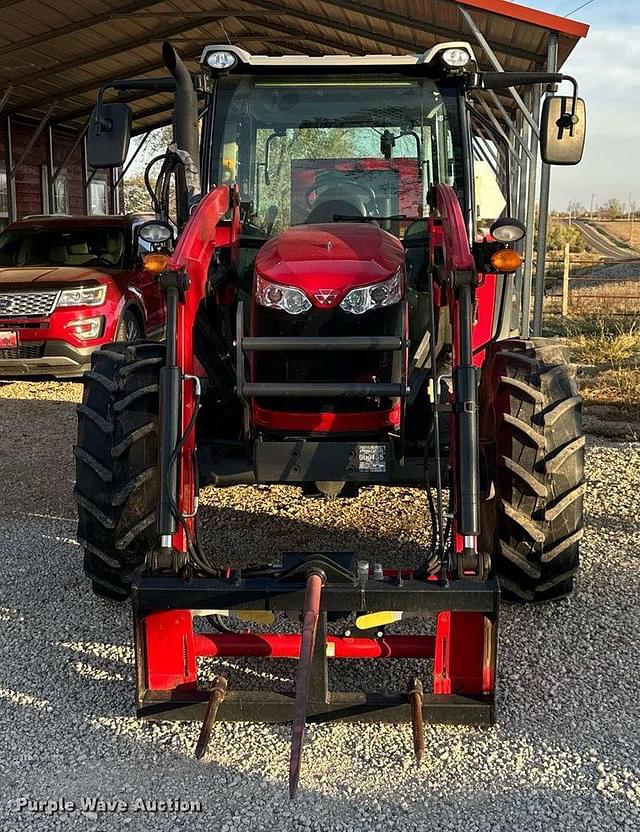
564,756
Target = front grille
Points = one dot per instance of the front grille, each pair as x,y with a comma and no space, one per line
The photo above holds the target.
24,304
346,367
28,351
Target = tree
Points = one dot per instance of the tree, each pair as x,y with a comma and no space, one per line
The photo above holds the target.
613,209
297,144
559,235
136,197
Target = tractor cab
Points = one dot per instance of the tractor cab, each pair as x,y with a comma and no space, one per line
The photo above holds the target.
332,162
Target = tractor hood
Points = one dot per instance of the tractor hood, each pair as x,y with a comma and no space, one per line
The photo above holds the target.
330,257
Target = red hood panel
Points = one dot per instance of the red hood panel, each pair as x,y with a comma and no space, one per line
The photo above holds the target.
332,256
51,275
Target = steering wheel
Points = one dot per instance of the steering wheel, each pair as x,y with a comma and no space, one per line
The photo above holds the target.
336,181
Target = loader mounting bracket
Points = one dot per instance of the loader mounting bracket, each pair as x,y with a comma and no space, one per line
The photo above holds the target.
459,655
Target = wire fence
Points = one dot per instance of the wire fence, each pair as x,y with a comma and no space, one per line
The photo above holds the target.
579,286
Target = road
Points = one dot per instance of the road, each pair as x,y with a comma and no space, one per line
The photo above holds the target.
603,244
564,754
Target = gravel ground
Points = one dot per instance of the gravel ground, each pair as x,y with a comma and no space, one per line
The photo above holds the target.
564,755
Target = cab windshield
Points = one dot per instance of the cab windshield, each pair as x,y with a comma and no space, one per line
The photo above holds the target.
332,149
62,247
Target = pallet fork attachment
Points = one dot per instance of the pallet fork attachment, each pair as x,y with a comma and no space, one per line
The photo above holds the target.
461,651
311,613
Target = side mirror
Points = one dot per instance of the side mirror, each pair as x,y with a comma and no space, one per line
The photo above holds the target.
109,135
562,135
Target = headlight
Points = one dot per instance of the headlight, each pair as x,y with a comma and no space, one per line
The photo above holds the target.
155,232
508,230
221,60
86,328
376,296
286,298
456,57
83,296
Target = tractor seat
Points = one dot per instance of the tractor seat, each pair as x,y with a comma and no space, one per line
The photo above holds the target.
327,210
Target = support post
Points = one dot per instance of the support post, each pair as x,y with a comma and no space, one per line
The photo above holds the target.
51,193
11,179
566,274
85,176
530,220
543,218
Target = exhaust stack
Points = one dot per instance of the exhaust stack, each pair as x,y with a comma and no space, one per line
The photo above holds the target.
185,129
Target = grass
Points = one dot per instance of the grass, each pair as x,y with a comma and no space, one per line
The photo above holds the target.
608,354
620,230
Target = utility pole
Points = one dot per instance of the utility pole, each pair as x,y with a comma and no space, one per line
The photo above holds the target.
632,216
593,199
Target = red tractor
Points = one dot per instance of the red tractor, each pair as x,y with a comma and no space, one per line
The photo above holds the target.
336,319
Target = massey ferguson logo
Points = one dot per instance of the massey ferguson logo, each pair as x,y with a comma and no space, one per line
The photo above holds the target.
325,296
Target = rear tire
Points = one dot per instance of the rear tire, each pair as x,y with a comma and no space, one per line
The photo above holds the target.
533,453
117,475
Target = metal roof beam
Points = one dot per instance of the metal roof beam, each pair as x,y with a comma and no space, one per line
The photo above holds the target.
5,97
34,138
149,66
56,173
117,49
72,28
420,26
496,63
331,23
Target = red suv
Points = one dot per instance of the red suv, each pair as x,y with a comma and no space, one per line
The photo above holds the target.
69,284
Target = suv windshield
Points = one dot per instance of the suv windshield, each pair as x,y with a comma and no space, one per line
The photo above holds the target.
316,150
62,247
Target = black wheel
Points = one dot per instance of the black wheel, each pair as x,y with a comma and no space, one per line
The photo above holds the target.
129,328
117,479
533,458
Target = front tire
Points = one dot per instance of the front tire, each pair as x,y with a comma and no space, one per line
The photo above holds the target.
117,473
533,454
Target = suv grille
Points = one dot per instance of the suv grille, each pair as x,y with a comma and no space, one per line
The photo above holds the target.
30,351
22,304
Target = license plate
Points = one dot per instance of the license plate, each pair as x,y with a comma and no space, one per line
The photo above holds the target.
8,339
372,459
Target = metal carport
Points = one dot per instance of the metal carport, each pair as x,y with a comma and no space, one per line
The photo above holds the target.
57,54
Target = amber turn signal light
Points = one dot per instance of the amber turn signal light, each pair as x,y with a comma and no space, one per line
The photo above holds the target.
155,262
506,260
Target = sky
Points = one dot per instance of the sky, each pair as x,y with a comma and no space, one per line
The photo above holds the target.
607,67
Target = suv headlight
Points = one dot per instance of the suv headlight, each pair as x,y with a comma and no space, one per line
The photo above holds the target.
361,300
275,296
83,296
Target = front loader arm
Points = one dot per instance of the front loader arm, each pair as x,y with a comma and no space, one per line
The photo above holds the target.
214,225
455,269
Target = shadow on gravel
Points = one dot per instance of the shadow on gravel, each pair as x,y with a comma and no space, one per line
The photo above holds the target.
247,537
